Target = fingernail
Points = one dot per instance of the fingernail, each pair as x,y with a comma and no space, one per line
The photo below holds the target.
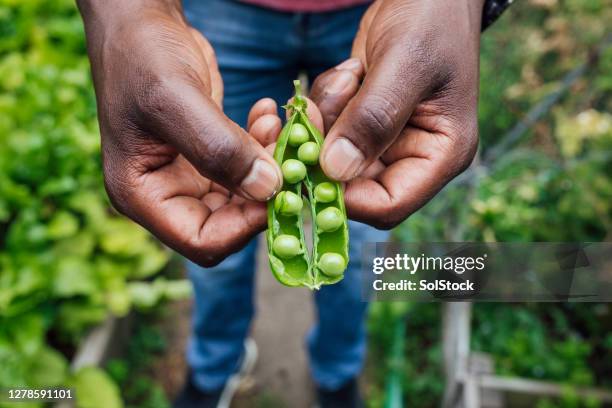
342,159
340,81
351,63
262,181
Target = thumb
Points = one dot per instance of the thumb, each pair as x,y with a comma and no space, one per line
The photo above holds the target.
181,114
372,119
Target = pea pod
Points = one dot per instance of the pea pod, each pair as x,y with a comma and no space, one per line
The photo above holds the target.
291,262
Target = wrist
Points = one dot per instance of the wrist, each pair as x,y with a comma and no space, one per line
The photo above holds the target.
109,12
452,15
471,10
116,21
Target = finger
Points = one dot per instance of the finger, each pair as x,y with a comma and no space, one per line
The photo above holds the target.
372,119
266,129
207,237
175,203
238,200
262,107
415,142
214,75
352,64
178,112
215,200
374,169
312,111
359,43
393,205
332,90
270,148
416,173
219,189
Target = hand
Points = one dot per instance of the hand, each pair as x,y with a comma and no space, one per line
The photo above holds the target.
412,125
173,162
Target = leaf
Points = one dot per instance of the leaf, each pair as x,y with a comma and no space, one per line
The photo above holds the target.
119,301
176,289
89,204
59,186
48,368
94,389
81,245
12,367
73,276
152,260
62,225
144,295
74,317
123,238
30,334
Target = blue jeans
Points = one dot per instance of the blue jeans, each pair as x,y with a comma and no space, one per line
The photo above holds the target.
260,52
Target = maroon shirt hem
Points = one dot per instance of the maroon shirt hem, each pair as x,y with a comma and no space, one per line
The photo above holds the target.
306,5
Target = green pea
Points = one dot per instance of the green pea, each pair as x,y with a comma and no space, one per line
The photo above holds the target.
325,192
293,170
330,219
309,153
298,135
332,264
288,203
286,246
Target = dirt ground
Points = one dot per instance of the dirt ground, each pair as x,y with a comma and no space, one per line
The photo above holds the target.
281,376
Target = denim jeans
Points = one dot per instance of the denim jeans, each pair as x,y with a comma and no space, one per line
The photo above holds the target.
260,52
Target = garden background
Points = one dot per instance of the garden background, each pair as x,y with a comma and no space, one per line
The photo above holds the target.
67,260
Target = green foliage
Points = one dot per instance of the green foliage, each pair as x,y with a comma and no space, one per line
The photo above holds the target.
526,53
423,379
538,349
66,259
93,388
134,373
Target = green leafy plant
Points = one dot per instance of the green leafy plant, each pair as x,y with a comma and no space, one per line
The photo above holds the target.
66,259
133,372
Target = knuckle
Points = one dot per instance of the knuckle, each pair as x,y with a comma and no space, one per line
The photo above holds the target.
316,91
377,118
225,151
224,154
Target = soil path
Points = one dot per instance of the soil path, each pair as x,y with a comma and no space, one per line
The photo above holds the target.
284,316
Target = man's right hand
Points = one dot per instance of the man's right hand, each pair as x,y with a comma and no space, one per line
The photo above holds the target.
173,162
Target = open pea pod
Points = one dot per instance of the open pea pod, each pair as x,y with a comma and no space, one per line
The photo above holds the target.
297,151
